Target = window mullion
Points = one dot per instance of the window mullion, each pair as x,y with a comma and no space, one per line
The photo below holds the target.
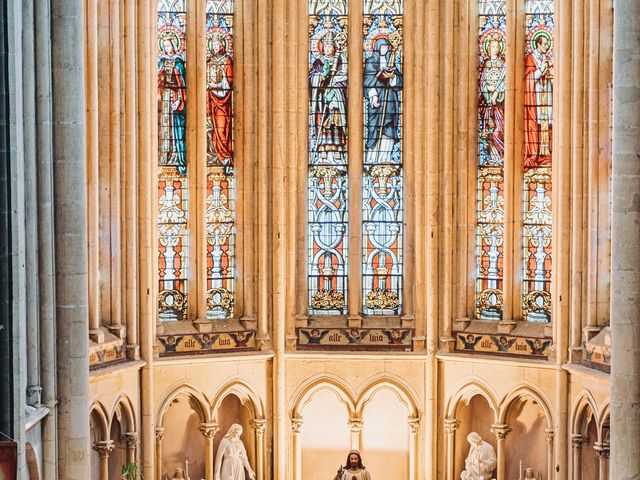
517,163
355,160
511,178
198,159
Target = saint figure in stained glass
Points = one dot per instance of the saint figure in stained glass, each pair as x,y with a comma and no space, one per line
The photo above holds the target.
172,95
383,84
382,182
538,151
328,81
491,102
538,100
219,96
328,181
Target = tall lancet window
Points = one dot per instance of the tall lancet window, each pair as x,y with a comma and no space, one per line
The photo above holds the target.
492,21
538,148
328,161
173,236
220,193
382,185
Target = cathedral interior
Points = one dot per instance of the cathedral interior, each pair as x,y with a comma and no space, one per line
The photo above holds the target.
274,232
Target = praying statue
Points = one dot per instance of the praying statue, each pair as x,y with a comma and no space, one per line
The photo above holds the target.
179,474
529,474
231,459
353,469
481,461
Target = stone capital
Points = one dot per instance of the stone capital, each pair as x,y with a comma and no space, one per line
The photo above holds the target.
259,425
414,425
602,449
451,425
159,433
104,448
548,436
209,430
356,425
501,431
576,441
131,439
296,424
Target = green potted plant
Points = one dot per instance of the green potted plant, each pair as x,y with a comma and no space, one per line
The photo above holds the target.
131,471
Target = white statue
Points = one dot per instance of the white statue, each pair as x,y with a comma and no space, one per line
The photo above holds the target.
231,459
481,461
179,474
530,475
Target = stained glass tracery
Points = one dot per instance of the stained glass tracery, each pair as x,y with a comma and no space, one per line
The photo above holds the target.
220,192
172,164
328,183
492,33
382,185
538,147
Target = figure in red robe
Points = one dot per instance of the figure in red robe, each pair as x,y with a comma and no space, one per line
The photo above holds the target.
538,104
219,103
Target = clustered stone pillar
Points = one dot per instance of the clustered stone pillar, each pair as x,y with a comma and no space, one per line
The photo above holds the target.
602,449
576,447
209,431
450,427
159,436
296,426
548,436
414,447
104,448
131,441
260,426
501,432
625,244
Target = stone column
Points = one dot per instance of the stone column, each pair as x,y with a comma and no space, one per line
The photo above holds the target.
501,432
104,448
69,168
159,436
414,447
450,427
296,447
548,435
209,431
576,447
602,449
131,441
625,243
46,243
356,425
260,426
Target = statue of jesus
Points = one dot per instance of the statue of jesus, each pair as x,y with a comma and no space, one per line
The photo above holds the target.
354,469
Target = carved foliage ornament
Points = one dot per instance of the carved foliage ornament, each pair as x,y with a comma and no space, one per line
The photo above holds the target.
327,300
382,298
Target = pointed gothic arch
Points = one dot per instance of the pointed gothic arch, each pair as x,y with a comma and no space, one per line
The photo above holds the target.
465,392
523,392
196,399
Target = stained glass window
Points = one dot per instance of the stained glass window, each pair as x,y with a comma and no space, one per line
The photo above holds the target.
220,193
328,164
538,144
492,33
173,238
382,185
